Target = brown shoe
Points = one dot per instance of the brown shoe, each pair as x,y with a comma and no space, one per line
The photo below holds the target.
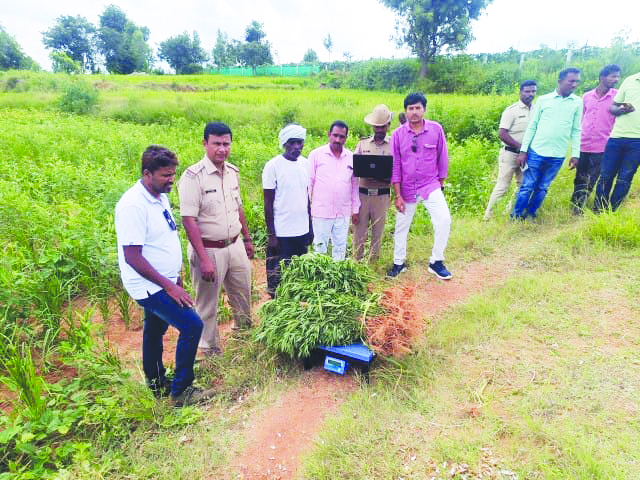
192,396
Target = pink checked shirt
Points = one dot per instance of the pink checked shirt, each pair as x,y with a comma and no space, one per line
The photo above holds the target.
597,121
419,172
332,187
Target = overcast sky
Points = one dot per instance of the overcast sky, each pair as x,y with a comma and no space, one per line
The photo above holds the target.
361,27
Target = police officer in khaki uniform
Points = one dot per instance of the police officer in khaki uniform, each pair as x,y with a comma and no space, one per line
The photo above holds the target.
513,124
375,195
219,241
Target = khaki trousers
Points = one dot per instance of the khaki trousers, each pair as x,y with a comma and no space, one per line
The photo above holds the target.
373,211
233,270
507,167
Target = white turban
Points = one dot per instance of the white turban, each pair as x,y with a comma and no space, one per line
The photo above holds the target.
291,131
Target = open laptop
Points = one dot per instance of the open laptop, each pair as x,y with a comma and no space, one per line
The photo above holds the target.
373,166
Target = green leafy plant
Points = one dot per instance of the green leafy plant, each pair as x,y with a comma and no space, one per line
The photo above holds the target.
23,377
78,97
124,306
318,302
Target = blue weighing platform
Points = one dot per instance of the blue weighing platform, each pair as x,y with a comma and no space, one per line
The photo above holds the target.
338,358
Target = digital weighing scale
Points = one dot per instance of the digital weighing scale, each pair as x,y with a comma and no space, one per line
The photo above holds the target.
337,359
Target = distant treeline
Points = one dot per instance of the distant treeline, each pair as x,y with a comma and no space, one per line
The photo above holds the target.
485,73
461,73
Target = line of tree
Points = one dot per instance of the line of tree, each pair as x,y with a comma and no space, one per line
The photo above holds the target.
430,28
427,26
79,46
12,56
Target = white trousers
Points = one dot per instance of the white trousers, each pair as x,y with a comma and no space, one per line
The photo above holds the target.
334,229
438,210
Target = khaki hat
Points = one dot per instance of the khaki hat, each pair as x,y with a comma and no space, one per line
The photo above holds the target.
380,116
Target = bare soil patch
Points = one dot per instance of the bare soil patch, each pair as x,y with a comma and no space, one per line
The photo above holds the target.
286,430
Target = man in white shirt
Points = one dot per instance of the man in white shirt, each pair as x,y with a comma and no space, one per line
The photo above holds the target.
285,182
150,260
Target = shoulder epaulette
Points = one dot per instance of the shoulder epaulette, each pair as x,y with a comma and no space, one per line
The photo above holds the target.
232,167
194,169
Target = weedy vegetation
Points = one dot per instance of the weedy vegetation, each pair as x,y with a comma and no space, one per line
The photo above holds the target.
535,376
318,302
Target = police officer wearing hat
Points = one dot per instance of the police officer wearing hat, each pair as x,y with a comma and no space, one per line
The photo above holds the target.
375,195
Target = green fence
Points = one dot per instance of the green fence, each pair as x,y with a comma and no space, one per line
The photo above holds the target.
270,71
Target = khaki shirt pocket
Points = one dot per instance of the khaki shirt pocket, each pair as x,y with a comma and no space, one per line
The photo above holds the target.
211,202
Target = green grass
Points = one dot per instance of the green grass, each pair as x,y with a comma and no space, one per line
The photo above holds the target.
537,374
548,360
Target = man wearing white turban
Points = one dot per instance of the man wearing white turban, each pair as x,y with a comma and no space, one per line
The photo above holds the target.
285,182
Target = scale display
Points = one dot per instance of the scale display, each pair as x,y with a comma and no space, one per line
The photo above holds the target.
335,365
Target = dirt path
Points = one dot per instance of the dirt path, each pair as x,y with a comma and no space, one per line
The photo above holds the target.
286,430
283,432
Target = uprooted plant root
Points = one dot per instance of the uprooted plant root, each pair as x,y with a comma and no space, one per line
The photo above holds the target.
394,332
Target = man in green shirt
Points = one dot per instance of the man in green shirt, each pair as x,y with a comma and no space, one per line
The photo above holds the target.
622,153
553,126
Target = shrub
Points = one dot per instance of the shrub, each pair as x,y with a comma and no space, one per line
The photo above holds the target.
78,97
384,74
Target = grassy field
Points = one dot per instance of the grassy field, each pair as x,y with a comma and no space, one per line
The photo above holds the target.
534,374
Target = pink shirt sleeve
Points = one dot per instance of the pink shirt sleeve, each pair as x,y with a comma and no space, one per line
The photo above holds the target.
396,172
443,156
355,195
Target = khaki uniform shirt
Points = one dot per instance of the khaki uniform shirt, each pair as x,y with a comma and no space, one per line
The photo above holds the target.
515,119
367,146
213,198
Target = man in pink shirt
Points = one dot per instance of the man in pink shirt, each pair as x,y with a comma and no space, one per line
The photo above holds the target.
333,191
597,122
420,166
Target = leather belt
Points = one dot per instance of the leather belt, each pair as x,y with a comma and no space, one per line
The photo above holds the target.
374,192
219,243
511,149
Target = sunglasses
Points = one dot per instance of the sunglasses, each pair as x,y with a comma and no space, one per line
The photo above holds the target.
169,219
414,144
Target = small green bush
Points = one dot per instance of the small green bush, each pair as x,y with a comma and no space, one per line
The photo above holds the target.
78,97
395,75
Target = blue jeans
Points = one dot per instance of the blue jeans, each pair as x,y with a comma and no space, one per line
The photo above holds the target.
537,177
621,159
160,311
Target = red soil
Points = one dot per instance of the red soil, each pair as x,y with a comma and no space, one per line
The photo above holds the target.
286,430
